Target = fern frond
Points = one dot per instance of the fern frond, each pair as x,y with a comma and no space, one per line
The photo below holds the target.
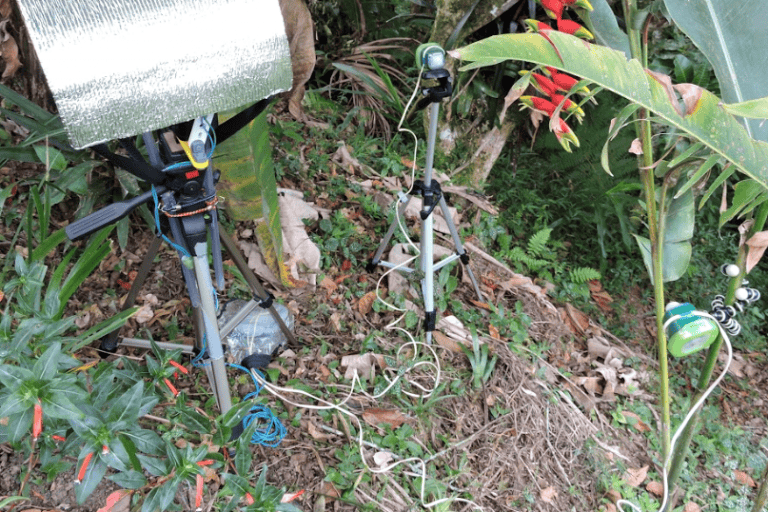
537,245
583,274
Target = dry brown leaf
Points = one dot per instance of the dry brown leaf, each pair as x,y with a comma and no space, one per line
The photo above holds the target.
576,321
613,494
756,247
548,494
691,95
494,332
609,507
144,314
666,84
636,148
365,304
299,30
655,487
446,342
743,478
375,417
336,321
363,364
601,297
635,421
316,433
691,507
481,305
328,284
634,477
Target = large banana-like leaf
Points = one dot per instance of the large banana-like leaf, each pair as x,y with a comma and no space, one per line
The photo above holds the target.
732,35
249,189
687,107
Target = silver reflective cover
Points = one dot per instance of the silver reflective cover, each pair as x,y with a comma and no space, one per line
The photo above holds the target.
118,68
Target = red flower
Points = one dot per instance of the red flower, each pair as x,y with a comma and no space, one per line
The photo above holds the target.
37,421
84,468
537,26
171,387
199,492
554,8
568,105
544,84
540,104
181,368
564,134
574,29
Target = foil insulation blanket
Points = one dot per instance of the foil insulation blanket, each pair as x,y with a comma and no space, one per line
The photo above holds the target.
119,68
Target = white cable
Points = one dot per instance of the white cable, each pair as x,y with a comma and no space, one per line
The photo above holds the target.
699,402
280,392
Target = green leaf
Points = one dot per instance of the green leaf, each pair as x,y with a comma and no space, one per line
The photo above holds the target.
704,168
47,245
28,107
153,465
20,425
753,109
60,406
47,364
52,158
13,404
96,250
248,183
745,194
125,410
603,24
160,497
728,33
130,479
618,124
130,450
101,329
703,119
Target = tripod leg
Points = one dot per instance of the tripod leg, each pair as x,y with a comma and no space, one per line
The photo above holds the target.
254,283
219,382
402,203
110,341
428,282
463,256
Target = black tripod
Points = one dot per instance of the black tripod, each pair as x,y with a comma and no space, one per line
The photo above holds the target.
183,182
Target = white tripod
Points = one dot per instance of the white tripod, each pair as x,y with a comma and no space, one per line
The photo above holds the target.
432,196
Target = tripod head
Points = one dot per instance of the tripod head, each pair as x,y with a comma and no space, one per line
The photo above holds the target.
432,57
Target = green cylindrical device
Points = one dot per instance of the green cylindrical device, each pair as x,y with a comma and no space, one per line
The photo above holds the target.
690,332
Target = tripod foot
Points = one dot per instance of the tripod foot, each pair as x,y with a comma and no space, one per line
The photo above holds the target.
108,346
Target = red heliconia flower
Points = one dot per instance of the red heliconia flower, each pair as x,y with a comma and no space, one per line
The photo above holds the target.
537,26
574,29
544,84
554,8
84,468
564,134
568,105
37,421
564,82
540,104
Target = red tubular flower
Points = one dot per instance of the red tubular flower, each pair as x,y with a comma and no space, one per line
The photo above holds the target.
568,105
564,82
183,369
544,84
171,387
248,499
104,449
58,438
199,493
206,462
539,104
565,135
554,8
574,29
537,26
84,468
37,421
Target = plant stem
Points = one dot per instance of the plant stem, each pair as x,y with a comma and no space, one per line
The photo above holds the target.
709,366
655,230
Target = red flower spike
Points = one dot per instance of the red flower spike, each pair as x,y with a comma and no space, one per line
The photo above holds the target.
199,493
104,449
574,29
206,462
248,499
537,26
183,369
568,105
171,387
539,104
58,438
84,467
583,4
544,84
565,135
553,8
37,421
